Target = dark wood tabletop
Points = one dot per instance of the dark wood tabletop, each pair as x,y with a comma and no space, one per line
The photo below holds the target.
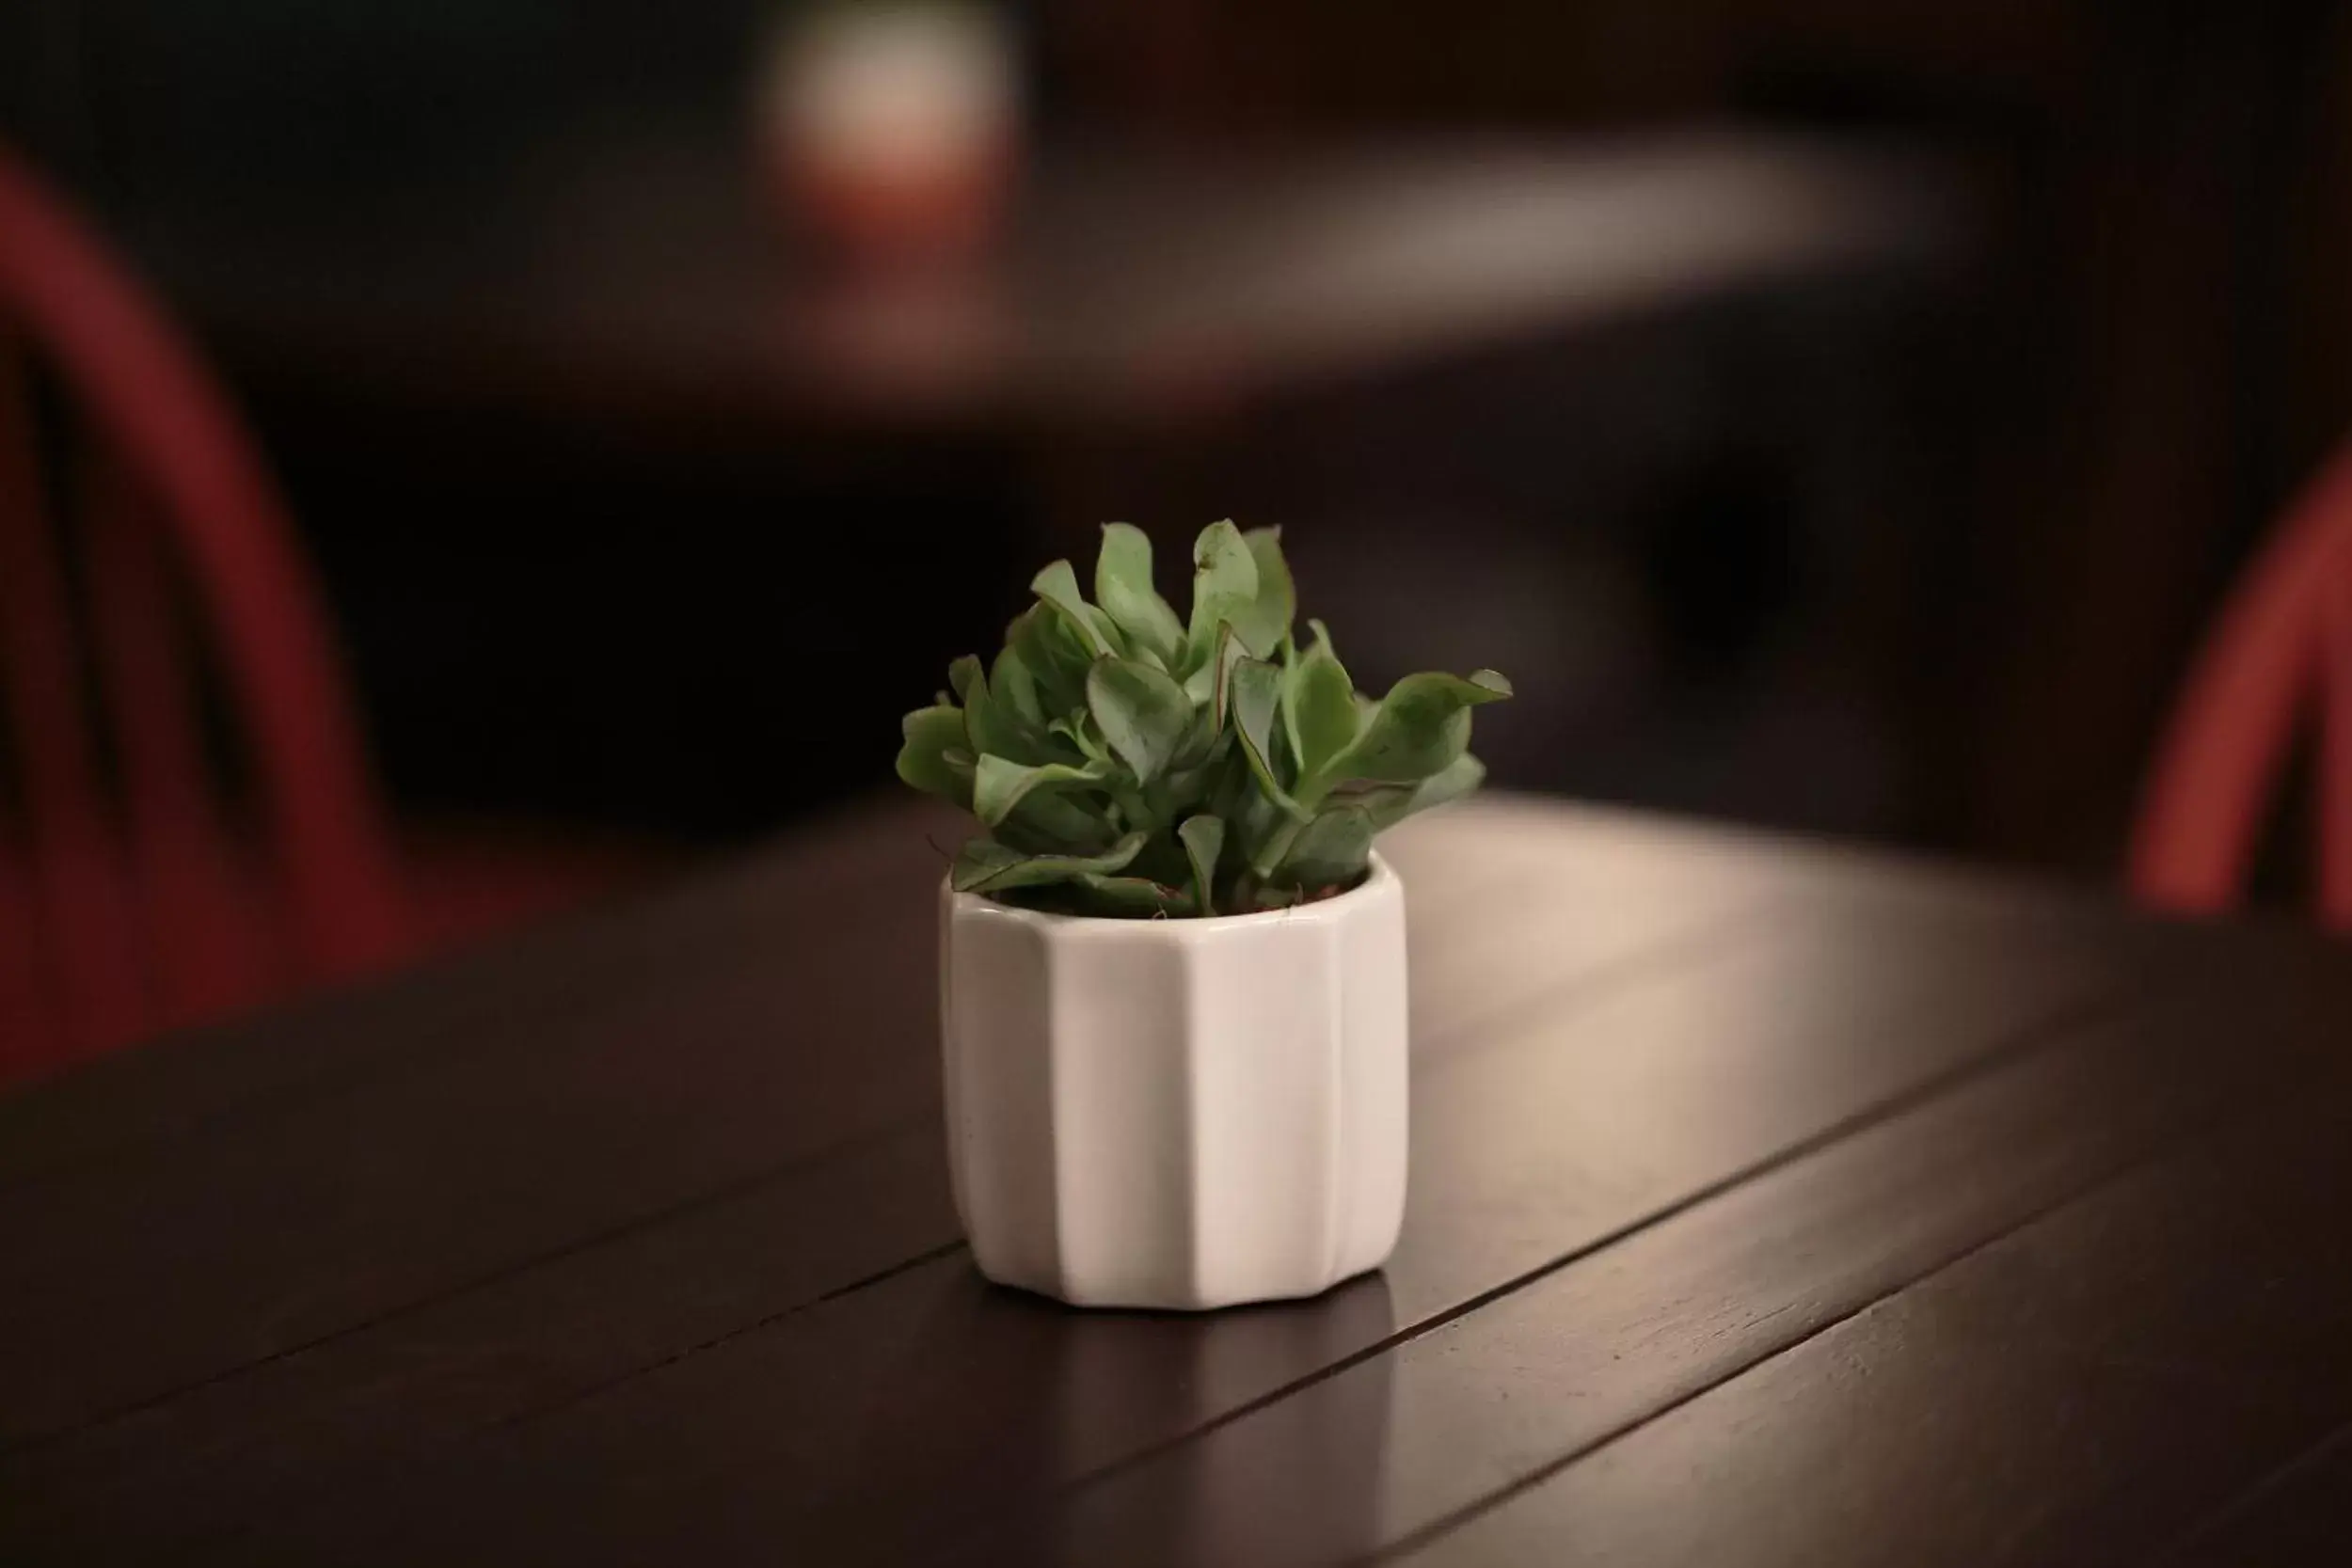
1772,1203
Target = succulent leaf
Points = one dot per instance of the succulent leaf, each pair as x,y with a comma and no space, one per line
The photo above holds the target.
1458,778
1010,684
1331,851
1057,586
1107,629
987,866
1267,620
1142,713
1224,588
1319,706
1418,730
1133,897
990,726
998,786
1211,686
1054,656
1204,841
930,734
1123,586
1256,693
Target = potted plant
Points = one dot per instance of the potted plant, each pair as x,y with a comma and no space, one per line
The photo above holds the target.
1173,967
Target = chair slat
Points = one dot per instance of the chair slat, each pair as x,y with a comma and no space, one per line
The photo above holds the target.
26,1030
2335,748
2219,766
209,949
76,876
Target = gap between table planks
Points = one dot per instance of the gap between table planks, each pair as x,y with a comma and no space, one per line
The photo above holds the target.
1569,1364
2089,1388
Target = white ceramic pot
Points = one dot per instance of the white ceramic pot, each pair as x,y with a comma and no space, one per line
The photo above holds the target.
1177,1113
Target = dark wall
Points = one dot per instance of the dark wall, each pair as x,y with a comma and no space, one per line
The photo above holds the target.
2155,347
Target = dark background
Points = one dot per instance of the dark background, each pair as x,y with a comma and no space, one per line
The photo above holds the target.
1916,550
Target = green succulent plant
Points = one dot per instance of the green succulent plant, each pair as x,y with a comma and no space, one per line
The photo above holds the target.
1128,762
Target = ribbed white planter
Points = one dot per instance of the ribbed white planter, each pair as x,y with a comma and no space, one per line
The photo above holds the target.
1177,1113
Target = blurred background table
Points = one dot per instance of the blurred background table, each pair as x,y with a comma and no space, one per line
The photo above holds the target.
653,283
588,438
1772,1203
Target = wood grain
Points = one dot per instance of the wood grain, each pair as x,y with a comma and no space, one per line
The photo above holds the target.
2076,1393
1485,1404
2300,1512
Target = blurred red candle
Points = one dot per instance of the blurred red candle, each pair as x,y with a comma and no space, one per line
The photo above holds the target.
893,125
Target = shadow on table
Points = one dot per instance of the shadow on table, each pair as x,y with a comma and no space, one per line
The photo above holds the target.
1004,1398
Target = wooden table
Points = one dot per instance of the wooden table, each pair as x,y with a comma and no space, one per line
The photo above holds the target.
643,283
1771,1204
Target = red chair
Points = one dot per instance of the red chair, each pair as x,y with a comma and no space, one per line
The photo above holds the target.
2283,643
136,893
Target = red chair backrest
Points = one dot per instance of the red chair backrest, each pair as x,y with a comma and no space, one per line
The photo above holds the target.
129,494
2282,647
